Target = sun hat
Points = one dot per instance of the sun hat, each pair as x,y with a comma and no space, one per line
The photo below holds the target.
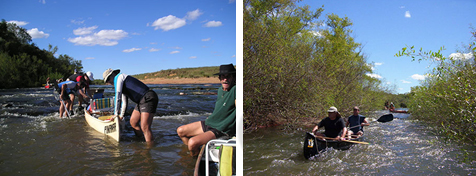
332,109
108,72
90,75
226,69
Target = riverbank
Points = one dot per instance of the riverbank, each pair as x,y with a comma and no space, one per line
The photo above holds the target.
204,80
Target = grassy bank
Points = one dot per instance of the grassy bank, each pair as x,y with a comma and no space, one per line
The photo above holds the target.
179,73
197,72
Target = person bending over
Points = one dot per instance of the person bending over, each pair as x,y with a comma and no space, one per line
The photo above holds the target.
129,87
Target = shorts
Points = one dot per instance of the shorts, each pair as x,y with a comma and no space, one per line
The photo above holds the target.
148,103
67,92
217,133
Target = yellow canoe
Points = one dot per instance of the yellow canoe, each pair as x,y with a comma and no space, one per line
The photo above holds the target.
105,125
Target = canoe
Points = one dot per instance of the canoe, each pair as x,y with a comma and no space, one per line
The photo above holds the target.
314,146
217,157
103,125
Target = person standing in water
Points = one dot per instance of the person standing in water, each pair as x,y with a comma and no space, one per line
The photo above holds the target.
129,87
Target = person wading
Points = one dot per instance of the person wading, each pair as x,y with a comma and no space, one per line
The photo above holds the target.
129,87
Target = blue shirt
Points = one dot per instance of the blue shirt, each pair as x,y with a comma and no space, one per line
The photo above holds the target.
354,121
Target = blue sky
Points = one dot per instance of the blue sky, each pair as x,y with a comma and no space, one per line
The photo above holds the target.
385,27
134,36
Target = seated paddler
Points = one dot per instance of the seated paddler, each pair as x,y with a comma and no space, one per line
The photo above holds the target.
334,125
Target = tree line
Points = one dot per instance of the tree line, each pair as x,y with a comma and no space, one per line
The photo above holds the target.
296,66
23,64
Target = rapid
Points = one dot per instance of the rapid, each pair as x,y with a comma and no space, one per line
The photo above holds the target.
403,146
35,141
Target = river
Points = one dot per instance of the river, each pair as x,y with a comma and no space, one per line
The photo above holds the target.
403,146
35,141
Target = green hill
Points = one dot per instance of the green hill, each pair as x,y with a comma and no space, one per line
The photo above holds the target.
197,72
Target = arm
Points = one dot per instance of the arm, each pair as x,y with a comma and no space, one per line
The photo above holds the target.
344,132
83,93
124,106
365,123
118,101
314,130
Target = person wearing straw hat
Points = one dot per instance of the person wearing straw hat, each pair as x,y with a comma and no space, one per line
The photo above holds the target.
128,87
222,122
334,125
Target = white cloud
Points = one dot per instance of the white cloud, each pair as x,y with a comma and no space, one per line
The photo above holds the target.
233,56
18,23
192,57
378,63
84,30
213,24
131,50
406,82
207,39
42,1
176,47
154,49
192,15
174,52
35,33
77,22
171,22
373,75
103,37
231,1
461,56
111,34
168,23
89,58
407,14
418,77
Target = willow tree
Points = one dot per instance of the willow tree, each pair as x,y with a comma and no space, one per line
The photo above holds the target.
447,97
293,66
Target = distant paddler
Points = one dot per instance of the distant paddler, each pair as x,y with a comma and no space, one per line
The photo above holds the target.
129,87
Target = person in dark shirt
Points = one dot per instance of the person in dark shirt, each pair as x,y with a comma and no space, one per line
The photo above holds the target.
334,125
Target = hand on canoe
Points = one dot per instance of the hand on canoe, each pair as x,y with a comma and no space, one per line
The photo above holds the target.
114,117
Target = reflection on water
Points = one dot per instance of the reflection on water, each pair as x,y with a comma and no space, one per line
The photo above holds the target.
34,141
401,147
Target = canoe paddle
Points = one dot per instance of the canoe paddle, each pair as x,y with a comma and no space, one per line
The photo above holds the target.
350,141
